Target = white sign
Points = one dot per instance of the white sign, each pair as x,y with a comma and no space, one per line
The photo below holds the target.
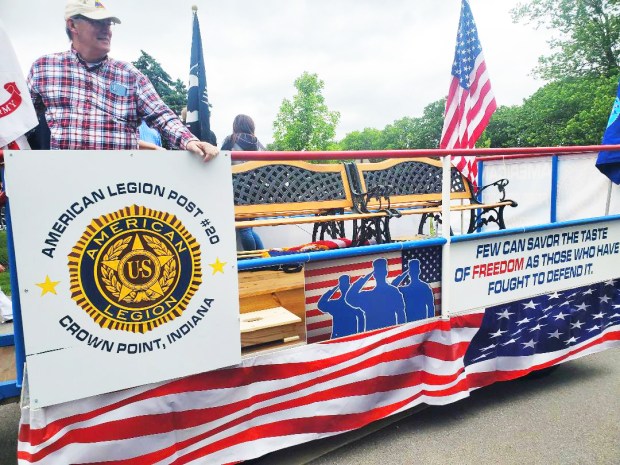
126,266
502,269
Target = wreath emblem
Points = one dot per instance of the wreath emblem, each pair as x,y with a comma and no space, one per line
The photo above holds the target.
135,269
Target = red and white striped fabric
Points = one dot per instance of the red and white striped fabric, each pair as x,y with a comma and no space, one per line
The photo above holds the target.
470,101
21,143
267,403
276,400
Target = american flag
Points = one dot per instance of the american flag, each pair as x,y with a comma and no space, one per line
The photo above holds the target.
284,398
323,276
470,101
543,331
198,106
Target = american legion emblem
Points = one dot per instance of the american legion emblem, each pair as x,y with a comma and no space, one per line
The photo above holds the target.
135,269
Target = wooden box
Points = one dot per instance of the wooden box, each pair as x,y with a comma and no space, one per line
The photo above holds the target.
269,325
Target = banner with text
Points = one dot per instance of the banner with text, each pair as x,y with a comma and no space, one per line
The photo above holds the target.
502,269
126,265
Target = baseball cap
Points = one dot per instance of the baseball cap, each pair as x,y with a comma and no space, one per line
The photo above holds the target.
92,9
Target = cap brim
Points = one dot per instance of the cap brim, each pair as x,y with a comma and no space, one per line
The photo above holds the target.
96,15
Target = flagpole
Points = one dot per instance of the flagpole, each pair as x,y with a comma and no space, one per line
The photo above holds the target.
198,112
446,184
608,203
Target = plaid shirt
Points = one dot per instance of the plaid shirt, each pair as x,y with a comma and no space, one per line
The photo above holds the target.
99,107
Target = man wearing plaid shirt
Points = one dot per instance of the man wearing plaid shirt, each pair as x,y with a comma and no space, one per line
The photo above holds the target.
93,102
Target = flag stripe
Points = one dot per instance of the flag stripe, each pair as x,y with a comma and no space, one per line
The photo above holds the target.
247,375
345,266
431,349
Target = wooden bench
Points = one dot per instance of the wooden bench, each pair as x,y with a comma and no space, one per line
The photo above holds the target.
413,186
294,192
369,194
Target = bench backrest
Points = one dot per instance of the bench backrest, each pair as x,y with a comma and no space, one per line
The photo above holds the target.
409,180
275,188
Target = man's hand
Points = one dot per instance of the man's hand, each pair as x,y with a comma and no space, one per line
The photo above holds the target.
204,149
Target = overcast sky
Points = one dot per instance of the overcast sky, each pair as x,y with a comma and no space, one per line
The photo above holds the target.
380,60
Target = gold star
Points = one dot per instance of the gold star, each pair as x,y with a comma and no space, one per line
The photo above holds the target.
48,286
217,266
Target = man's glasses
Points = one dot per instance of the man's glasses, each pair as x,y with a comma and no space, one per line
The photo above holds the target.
101,23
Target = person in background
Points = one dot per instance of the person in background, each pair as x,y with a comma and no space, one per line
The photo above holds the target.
243,138
150,139
93,102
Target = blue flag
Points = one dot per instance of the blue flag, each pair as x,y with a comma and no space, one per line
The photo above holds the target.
198,107
608,162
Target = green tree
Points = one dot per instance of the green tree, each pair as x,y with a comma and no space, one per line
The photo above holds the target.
400,134
406,133
173,93
572,111
305,123
587,36
505,128
430,125
177,99
368,139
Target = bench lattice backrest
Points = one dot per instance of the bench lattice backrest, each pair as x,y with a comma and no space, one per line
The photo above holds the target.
289,187
406,180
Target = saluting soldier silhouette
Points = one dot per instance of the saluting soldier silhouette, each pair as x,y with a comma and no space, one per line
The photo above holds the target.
383,304
418,295
346,319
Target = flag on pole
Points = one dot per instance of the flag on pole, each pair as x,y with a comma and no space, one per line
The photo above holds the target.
608,162
470,102
17,115
198,108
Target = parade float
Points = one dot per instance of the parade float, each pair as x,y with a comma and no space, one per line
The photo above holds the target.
150,339
389,282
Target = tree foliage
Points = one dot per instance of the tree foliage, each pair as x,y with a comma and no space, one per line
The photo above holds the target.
173,93
368,139
425,130
586,40
572,111
305,123
404,133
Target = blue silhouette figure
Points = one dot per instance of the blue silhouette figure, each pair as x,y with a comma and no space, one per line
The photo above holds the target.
346,319
383,305
418,295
